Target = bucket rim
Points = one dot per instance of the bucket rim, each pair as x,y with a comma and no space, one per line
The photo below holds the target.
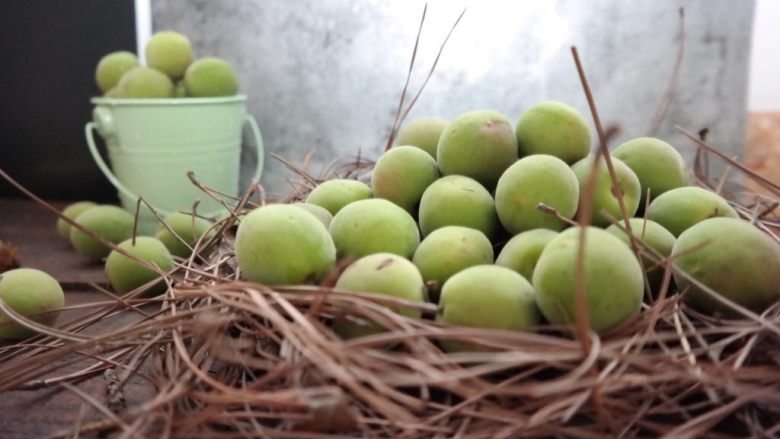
172,102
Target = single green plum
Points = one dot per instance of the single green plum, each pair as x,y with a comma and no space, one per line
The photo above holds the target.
614,284
479,144
402,174
335,194
521,253
487,296
280,244
657,164
33,294
189,229
169,52
732,257
604,199
424,133
111,68
320,212
374,226
449,250
680,208
144,82
654,236
383,274
109,222
210,77
553,128
72,211
456,200
126,274
533,180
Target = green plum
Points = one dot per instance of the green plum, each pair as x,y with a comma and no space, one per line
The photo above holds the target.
402,174
522,252
456,200
487,296
169,52
210,77
479,144
614,284
335,194
424,133
320,212
732,257
449,250
532,180
189,230
109,222
603,197
553,128
111,68
126,274
374,226
280,244
680,208
144,82
656,163
382,274
33,294
654,236
72,211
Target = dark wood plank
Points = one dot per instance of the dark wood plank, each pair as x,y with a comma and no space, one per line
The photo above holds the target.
48,411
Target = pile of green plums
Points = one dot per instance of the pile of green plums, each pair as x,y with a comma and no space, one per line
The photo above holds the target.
477,215
452,215
101,231
171,71
104,232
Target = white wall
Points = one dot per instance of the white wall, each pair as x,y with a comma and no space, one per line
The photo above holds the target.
764,86
764,90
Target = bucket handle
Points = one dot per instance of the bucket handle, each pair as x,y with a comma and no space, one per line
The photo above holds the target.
88,128
258,146
91,126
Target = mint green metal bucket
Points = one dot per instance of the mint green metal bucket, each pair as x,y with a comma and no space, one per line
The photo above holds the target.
153,143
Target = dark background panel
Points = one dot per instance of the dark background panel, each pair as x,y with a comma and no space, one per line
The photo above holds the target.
48,53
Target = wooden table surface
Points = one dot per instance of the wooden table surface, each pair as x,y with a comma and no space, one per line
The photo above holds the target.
51,411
